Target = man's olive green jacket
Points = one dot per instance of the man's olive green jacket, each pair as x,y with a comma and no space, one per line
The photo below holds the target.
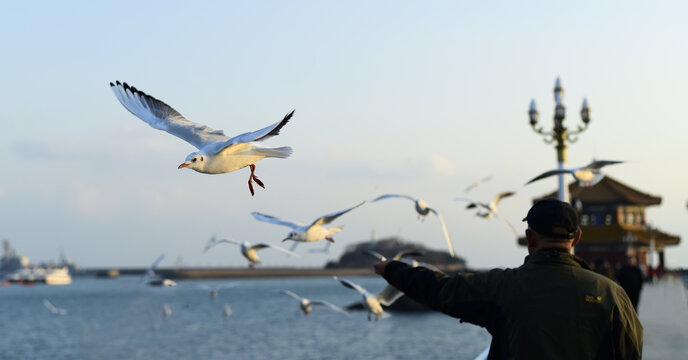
551,307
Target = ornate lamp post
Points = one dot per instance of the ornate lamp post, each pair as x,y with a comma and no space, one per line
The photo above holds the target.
560,135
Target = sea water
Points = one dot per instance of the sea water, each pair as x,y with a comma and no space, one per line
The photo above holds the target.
119,319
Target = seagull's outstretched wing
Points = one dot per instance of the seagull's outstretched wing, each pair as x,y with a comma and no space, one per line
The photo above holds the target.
274,220
472,203
388,295
477,183
600,163
389,196
161,116
262,134
151,270
263,246
502,195
450,245
361,290
375,254
289,293
214,241
53,309
326,219
331,306
508,224
407,253
549,173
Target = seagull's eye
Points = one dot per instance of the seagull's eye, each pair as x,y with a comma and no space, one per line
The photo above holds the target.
193,160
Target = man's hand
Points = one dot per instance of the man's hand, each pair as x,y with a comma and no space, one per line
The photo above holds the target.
380,267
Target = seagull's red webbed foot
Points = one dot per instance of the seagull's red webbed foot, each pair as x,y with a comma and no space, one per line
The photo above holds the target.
252,178
329,239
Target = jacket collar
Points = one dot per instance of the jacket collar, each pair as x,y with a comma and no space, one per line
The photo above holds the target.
555,256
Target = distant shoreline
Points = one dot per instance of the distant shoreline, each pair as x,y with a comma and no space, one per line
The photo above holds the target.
221,273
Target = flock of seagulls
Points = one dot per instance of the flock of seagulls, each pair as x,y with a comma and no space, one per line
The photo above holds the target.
218,153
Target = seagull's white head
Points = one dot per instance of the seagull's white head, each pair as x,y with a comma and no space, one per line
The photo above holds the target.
195,161
293,235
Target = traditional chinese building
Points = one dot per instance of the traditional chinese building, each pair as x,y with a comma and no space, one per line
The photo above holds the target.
614,224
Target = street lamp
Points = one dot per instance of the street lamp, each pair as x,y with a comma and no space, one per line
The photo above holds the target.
560,135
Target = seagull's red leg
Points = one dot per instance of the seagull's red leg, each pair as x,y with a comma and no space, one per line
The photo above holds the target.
255,178
329,239
250,185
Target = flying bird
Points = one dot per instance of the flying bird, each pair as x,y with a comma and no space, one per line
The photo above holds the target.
166,311
373,303
308,233
53,309
477,183
217,153
248,250
402,256
227,311
423,209
152,279
307,305
491,209
588,175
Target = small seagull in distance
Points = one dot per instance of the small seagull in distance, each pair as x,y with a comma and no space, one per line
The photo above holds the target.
53,309
308,233
166,311
402,256
248,250
227,311
373,303
152,279
217,153
307,305
491,209
477,183
423,209
587,176
212,290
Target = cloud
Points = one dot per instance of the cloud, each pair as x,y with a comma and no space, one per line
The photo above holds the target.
442,165
92,201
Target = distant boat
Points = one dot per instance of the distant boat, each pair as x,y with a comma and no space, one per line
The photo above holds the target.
58,276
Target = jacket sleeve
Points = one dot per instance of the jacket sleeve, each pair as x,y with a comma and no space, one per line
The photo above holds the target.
627,331
460,296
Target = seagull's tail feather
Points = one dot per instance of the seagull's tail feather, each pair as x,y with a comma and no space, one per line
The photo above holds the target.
280,152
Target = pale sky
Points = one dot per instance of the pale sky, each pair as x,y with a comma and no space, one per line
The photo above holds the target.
417,98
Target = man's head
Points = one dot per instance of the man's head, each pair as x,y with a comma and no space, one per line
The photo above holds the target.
552,224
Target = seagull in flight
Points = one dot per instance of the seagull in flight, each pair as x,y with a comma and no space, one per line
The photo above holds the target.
491,209
152,279
423,209
307,305
53,309
308,233
373,303
217,153
248,250
587,176
477,183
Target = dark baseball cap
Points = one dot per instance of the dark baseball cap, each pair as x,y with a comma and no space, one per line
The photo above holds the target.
553,218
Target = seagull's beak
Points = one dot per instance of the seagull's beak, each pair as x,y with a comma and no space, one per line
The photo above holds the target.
285,239
183,165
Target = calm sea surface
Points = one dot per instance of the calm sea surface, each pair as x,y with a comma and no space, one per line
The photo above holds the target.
117,319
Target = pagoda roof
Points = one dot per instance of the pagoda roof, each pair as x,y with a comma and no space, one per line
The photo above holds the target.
614,234
608,191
